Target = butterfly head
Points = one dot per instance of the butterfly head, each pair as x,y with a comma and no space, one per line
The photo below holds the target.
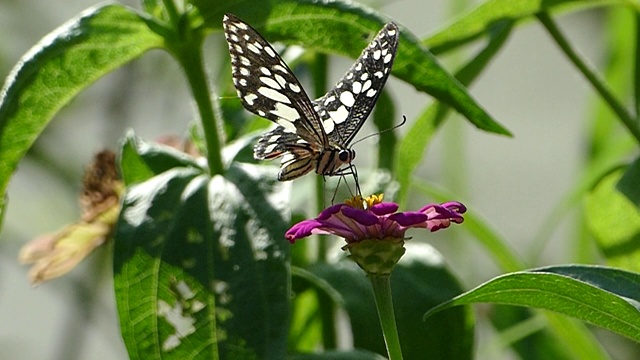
346,155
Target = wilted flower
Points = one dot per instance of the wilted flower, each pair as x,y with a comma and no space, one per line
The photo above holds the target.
373,230
55,254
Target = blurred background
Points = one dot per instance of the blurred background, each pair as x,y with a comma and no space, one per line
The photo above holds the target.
513,183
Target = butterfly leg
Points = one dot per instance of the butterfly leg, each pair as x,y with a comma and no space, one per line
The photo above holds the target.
335,192
353,171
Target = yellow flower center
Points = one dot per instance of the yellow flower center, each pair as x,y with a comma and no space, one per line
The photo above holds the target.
358,202
374,199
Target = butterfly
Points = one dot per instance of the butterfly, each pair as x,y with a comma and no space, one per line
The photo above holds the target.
311,135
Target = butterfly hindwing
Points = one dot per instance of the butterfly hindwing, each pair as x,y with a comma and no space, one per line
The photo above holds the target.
345,108
275,143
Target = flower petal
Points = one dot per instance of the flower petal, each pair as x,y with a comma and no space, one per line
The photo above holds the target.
379,221
328,212
384,208
302,230
409,218
361,216
453,207
330,226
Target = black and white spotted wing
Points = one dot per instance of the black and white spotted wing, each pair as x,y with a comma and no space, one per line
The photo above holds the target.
344,109
311,135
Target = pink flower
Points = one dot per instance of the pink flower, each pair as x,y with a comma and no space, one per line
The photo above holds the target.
374,230
361,219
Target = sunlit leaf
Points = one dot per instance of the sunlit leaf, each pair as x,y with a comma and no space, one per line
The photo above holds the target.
201,265
606,297
61,65
628,184
615,222
140,160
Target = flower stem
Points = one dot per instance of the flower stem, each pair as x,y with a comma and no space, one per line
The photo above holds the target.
318,67
627,119
382,294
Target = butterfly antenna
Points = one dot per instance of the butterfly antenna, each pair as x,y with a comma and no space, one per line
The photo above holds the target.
404,121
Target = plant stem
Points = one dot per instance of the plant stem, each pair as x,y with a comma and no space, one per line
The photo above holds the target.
190,56
318,67
636,82
186,45
591,76
172,11
382,293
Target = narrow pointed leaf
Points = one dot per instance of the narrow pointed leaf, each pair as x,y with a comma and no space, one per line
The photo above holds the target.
411,150
606,297
482,19
60,66
570,334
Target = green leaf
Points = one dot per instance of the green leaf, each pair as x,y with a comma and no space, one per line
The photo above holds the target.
65,62
615,222
628,184
141,160
549,336
312,298
602,296
411,149
495,244
418,282
201,266
384,118
573,336
154,8
345,29
525,332
339,355
484,18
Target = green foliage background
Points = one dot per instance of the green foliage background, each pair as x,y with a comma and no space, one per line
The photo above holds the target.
530,196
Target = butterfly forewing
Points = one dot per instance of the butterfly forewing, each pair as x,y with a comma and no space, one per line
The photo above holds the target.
265,84
345,108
